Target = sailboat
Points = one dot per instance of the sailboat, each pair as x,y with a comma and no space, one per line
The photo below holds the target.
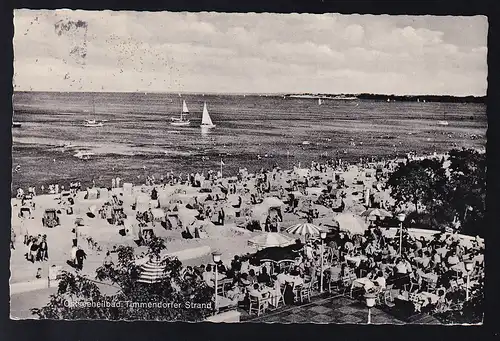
319,101
93,122
179,122
14,123
443,122
206,121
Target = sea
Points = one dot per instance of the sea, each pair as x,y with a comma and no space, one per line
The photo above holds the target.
252,131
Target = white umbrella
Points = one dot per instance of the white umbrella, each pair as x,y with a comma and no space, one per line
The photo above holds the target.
187,216
304,229
270,239
350,222
152,272
272,202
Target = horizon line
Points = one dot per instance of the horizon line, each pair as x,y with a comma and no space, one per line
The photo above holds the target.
253,93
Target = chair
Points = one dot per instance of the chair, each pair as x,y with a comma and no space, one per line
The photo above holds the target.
347,285
430,285
386,296
305,291
414,284
453,285
417,302
337,284
259,304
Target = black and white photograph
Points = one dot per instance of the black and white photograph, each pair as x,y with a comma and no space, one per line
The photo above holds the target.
248,167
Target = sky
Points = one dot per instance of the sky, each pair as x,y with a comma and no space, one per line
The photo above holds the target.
208,52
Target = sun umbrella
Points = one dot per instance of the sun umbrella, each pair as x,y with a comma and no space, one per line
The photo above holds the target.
305,229
187,216
272,202
152,272
270,239
350,222
377,212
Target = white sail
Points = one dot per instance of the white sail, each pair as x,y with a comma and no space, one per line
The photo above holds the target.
319,101
205,118
184,107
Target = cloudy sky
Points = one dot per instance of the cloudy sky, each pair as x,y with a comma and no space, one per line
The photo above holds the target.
249,53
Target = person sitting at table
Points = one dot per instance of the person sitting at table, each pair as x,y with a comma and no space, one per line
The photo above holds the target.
379,280
401,276
244,281
254,291
264,277
236,295
334,273
308,251
295,271
208,276
452,259
221,268
252,277
282,277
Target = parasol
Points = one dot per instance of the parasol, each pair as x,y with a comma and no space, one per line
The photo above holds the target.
270,239
376,212
272,202
351,223
305,229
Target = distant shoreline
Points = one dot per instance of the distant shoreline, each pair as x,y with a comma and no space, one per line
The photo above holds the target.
361,96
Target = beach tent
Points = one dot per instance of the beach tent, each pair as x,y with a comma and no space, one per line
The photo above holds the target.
127,188
351,223
152,271
103,193
142,203
270,239
92,194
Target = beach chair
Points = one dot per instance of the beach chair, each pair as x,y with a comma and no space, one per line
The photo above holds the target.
259,304
337,284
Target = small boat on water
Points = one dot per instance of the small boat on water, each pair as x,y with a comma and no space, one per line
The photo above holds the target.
84,155
319,101
180,122
92,123
206,121
443,122
16,124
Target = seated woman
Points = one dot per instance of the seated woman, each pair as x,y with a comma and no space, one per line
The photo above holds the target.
295,271
380,281
236,295
208,276
252,277
264,277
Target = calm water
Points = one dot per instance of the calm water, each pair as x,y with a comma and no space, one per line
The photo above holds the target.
138,133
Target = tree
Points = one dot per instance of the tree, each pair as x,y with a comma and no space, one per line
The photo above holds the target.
418,182
467,172
174,298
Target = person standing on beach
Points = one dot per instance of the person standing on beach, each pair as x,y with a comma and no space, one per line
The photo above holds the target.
12,239
76,234
80,256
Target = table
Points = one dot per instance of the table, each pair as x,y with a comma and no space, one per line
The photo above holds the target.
432,276
355,259
363,282
428,297
273,295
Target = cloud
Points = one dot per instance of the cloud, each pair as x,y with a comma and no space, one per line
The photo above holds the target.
219,52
